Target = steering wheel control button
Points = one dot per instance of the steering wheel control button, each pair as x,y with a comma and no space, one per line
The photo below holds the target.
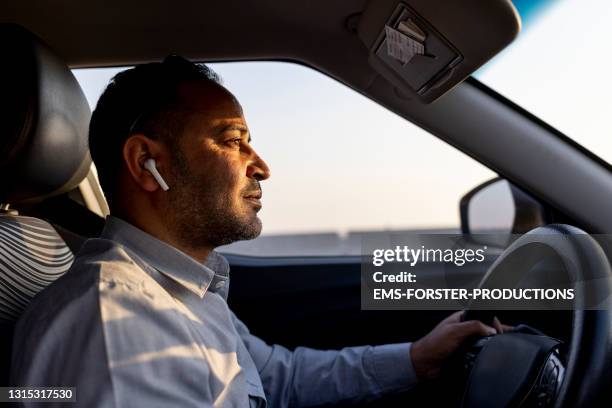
512,369
549,382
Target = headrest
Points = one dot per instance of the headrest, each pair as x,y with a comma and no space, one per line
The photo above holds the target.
44,120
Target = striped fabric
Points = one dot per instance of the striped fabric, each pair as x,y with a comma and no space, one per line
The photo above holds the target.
32,255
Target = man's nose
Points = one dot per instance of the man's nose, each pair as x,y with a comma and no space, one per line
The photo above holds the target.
258,169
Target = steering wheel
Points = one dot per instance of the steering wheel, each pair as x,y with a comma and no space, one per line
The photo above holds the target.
510,369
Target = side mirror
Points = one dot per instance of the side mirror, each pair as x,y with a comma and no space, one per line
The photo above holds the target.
499,209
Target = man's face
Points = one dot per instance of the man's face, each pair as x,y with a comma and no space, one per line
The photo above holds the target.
214,191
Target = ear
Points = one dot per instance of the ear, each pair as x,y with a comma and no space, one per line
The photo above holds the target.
136,150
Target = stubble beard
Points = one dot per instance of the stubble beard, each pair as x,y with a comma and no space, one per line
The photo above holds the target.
205,216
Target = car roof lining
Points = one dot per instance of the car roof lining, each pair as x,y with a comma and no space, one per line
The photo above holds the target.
140,31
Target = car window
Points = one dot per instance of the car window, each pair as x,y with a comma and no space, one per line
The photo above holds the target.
557,68
341,165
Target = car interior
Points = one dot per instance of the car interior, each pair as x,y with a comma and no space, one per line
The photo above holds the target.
306,301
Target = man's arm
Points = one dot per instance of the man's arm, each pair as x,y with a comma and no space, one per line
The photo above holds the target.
56,346
307,377
118,347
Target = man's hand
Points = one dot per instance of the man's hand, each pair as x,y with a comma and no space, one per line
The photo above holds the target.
431,352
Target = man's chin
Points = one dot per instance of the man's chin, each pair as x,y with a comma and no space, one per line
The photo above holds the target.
227,230
253,230
246,230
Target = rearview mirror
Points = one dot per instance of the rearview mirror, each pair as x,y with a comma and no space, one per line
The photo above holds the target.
498,208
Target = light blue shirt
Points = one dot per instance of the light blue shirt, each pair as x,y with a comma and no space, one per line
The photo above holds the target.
136,322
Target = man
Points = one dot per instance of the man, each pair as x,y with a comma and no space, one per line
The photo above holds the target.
141,318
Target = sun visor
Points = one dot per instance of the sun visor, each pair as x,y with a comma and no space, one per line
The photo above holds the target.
426,47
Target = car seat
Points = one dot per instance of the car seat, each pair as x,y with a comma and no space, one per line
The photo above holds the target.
43,153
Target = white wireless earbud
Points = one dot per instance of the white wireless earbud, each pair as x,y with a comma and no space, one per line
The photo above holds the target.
150,165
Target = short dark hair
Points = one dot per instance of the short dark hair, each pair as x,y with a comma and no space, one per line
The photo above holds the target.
141,99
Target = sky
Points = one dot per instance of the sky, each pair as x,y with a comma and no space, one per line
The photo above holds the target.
339,161
559,70
342,163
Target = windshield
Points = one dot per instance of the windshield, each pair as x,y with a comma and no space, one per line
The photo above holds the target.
559,68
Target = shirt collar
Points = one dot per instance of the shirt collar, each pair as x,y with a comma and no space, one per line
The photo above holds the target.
198,277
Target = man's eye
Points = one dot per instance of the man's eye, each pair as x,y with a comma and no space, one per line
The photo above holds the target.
234,142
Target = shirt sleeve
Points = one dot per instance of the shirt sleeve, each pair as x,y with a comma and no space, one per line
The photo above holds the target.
307,377
117,346
63,348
